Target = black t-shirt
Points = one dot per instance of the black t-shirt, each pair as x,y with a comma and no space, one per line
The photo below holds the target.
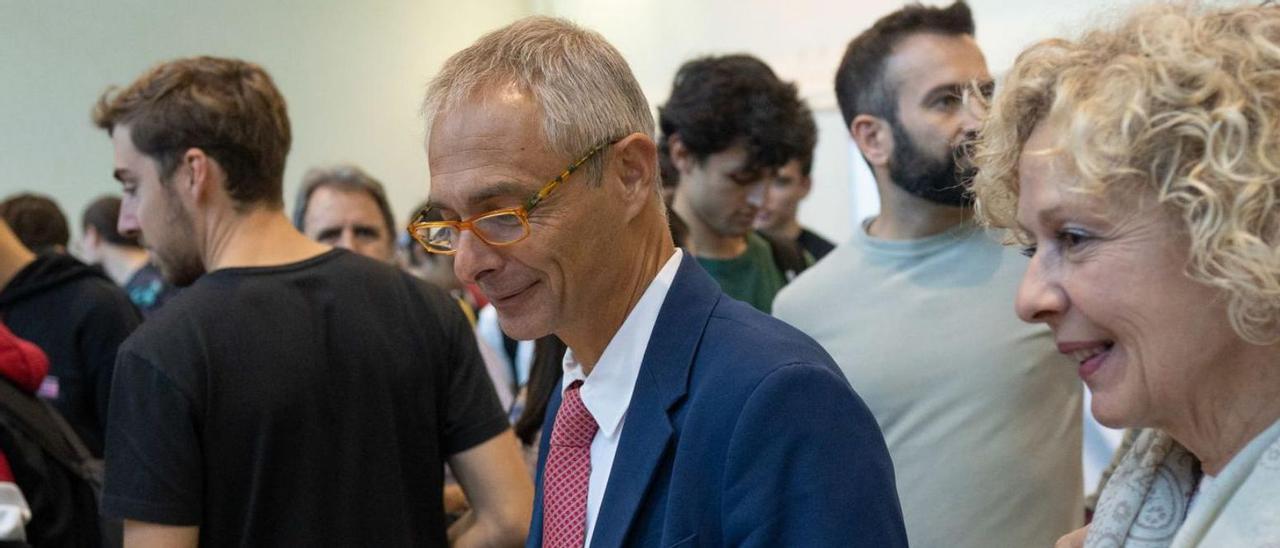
310,404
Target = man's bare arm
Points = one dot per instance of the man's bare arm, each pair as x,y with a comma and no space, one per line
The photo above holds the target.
497,485
140,534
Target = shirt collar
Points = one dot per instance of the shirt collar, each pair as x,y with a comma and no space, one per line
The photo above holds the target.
606,393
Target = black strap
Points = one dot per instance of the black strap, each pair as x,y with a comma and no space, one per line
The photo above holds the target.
43,424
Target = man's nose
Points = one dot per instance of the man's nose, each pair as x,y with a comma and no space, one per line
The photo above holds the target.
473,258
758,193
127,223
346,239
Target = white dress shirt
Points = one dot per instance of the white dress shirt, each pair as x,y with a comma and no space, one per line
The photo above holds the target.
606,393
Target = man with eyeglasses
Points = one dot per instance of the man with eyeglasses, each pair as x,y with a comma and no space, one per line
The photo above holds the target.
981,412
684,417
294,394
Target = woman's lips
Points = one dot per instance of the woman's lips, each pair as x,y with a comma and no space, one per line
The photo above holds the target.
1090,355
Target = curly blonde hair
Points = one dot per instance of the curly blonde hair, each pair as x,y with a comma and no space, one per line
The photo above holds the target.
1178,103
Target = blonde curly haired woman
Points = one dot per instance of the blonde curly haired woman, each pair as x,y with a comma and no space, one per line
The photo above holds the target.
1140,167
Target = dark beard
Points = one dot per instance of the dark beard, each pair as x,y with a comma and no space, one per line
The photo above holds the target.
180,264
938,180
179,271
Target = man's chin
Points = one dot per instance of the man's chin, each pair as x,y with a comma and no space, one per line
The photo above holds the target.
735,230
522,328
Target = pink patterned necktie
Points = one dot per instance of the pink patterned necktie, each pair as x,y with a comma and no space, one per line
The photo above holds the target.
568,473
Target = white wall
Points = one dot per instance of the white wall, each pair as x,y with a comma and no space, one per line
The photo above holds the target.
353,74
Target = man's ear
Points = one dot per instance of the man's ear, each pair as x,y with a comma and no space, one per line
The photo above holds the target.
874,138
635,164
90,234
681,157
806,185
202,178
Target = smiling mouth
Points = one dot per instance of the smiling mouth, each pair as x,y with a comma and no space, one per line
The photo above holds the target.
1088,355
511,295
1085,354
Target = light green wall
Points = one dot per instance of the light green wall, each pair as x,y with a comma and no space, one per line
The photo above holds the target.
353,74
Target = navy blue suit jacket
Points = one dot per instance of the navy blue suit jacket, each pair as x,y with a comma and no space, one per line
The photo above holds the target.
741,432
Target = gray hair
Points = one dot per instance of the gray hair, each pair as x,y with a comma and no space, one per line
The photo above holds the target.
347,178
585,88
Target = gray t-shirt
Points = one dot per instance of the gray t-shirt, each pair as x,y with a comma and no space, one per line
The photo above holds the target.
980,411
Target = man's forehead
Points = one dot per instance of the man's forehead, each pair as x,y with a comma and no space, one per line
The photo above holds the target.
121,144
333,199
486,147
128,163
488,118
463,194
926,60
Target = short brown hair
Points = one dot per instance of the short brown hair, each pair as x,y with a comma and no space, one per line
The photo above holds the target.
228,108
37,221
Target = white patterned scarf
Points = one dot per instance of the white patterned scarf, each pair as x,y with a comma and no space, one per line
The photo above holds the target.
1145,503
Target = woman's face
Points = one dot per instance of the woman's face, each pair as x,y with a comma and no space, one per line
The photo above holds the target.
1106,273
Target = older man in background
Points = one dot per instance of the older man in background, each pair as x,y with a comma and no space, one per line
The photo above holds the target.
345,207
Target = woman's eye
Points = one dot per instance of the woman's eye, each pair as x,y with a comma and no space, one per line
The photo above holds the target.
1028,251
1073,238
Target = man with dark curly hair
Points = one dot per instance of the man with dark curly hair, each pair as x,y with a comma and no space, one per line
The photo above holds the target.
729,125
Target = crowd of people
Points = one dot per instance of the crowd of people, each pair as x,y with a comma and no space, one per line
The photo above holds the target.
604,327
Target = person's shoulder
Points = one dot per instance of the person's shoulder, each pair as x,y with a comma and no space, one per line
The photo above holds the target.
748,361
94,297
102,292
814,243
747,343
423,302
349,264
820,284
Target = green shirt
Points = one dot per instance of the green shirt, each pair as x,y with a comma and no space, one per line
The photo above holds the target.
752,277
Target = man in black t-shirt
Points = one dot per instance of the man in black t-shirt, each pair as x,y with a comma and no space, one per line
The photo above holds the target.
293,394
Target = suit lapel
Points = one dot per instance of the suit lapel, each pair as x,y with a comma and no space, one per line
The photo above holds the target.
662,383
